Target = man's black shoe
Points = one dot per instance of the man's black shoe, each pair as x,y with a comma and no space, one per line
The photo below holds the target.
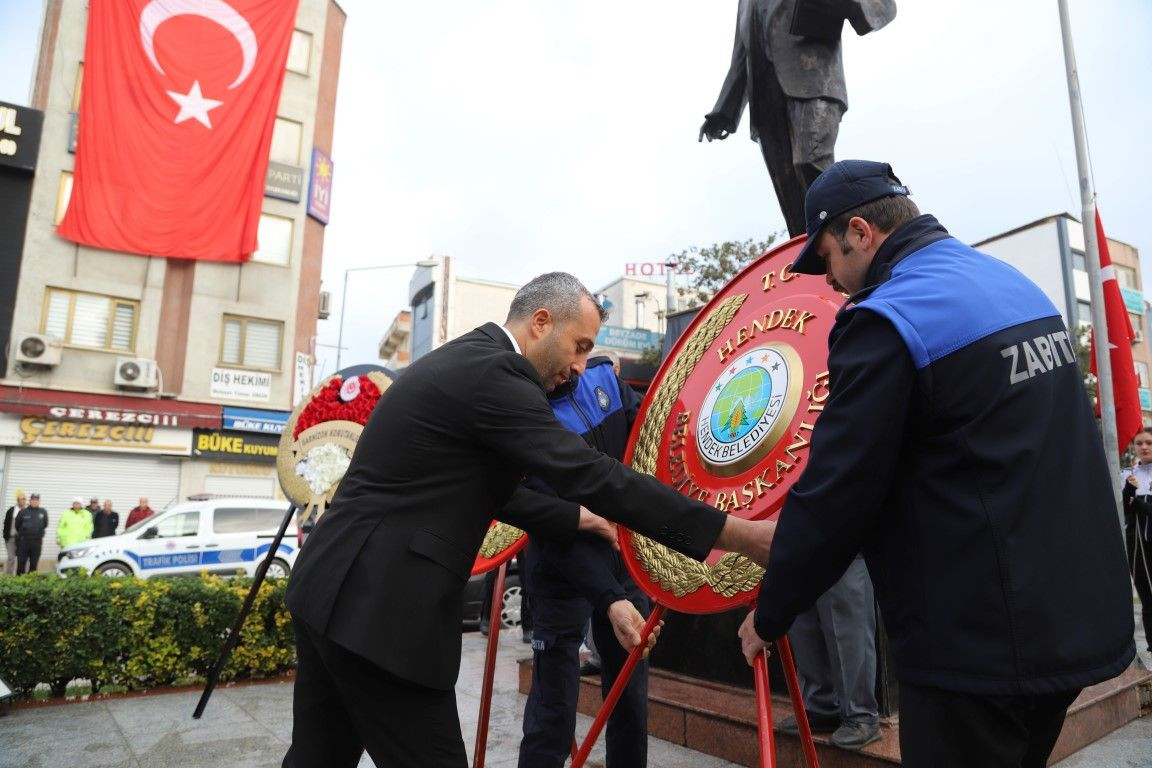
816,723
484,627
853,736
589,668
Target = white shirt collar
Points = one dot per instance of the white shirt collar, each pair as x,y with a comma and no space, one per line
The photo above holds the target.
515,346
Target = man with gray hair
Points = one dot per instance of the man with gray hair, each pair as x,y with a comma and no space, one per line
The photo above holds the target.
377,592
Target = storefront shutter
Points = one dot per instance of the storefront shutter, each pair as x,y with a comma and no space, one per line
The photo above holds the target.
59,475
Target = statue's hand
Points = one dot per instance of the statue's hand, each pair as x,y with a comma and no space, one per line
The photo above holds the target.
711,129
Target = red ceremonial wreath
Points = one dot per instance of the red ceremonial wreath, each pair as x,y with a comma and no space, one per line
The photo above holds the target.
329,404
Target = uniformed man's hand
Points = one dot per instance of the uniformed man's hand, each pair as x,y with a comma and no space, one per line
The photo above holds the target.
750,642
593,523
1132,481
628,624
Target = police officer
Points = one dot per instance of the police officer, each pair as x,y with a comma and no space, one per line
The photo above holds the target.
31,525
573,581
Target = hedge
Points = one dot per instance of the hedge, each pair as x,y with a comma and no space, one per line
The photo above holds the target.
136,633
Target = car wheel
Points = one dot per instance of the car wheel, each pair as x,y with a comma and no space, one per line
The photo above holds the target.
277,569
113,568
510,608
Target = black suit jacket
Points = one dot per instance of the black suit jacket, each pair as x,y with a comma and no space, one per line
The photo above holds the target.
383,572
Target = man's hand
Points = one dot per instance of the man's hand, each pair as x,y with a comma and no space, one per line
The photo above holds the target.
752,538
628,624
750,642
595,524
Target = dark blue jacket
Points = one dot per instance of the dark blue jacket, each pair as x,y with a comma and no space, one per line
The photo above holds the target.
958,450
600,408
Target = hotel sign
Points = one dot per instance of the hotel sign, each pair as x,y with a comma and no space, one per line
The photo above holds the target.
20,129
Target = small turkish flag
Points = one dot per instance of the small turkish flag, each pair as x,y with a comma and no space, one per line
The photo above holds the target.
176,115
1125,387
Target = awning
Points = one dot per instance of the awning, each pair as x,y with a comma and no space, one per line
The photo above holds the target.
85,406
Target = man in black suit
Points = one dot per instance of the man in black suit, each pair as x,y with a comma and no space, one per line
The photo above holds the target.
376,594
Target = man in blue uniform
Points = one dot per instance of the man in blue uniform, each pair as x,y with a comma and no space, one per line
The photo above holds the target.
570,581
958,450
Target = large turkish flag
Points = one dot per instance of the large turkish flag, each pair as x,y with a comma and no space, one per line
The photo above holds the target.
176,114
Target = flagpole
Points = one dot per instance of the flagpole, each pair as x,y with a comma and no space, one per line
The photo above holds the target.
1092,259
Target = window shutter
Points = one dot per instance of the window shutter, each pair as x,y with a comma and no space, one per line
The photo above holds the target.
123,321
57,322
231,351
90,321
262,345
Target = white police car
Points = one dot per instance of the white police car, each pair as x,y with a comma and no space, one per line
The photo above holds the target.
224,536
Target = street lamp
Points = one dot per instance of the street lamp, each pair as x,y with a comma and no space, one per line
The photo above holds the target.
344,295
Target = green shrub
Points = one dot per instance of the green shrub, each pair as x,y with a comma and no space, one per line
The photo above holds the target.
137,633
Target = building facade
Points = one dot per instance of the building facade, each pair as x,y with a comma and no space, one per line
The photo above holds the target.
130,375
1051,252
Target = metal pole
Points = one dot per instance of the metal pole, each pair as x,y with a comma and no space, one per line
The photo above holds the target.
617,690
340,335
489,667
670,302
245,609
1096,287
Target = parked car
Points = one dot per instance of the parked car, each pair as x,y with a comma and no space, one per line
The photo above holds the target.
217,535
510,607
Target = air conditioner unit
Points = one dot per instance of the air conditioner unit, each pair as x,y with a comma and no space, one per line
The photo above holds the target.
37,349
323,309
136,373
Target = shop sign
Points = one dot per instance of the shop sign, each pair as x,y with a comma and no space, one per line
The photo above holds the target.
226,445
632,339
254,420
114,409
230,384
284,182
302,383
320,187
40,432
1133,300
20,129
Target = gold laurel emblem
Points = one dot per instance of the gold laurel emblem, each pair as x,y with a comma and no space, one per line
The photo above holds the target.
679,574
499,538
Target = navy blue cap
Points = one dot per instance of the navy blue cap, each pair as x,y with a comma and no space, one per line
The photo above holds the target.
843,186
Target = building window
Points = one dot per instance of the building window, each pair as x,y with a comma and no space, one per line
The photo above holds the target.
63,195
300,52
1126,277
286,139
1141,374
1083,313
1078,261
91,320
251,343
1137,327
274,240
76,87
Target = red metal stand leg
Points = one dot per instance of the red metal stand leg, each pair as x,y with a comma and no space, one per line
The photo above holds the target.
789,665
764,712
489,667
617,688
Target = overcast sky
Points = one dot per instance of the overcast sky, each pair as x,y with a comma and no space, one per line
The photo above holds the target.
521,137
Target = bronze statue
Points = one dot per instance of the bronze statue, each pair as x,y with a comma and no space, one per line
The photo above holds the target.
786,63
